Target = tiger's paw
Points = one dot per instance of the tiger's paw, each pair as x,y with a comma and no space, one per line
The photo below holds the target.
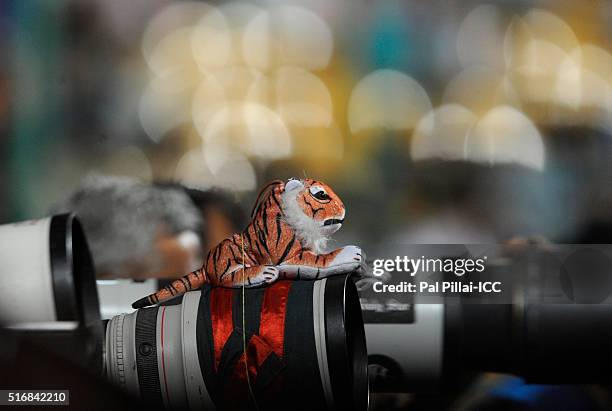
350,259
266,276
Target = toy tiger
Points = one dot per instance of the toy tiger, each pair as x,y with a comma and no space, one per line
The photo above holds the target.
290,226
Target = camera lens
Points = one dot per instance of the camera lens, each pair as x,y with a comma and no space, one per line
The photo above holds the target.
303,343
47,284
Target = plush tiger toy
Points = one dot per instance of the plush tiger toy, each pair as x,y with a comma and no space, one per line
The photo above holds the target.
291,224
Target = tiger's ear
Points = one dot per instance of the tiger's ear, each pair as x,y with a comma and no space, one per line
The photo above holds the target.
292,184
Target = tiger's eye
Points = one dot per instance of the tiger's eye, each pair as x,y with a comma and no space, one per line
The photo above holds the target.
321,195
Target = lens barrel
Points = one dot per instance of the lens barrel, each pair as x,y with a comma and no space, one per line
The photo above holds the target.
305,349
48,290
545,343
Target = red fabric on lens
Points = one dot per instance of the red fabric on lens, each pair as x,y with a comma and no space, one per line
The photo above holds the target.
236,392
221,319
272,320
270,341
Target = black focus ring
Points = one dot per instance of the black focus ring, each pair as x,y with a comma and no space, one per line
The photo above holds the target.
336,338
146,356
60,250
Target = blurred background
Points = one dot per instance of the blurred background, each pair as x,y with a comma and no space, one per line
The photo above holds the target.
436,122
451,121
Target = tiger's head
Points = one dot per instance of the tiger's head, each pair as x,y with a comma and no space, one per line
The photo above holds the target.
313,210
